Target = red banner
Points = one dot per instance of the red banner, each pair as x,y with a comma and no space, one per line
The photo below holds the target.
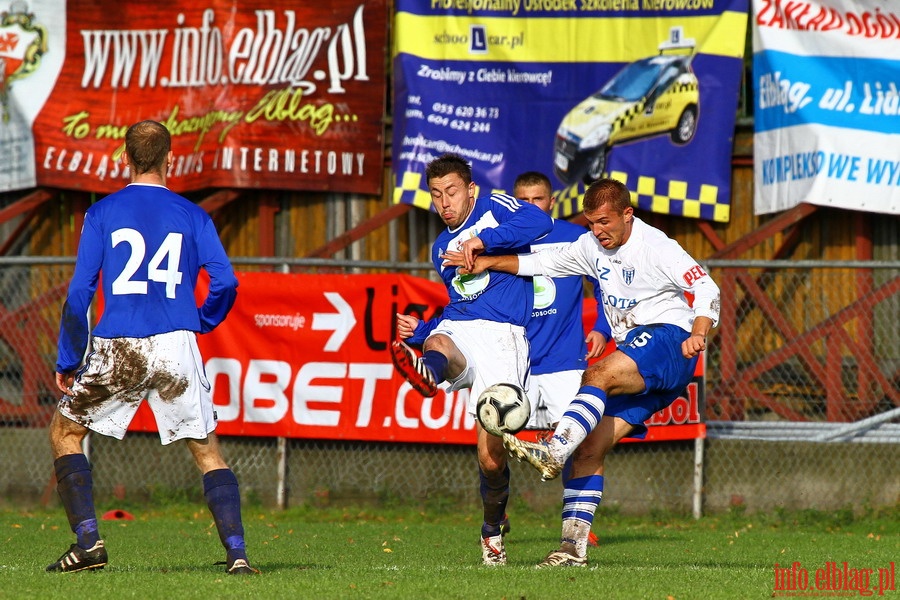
274,94
306,356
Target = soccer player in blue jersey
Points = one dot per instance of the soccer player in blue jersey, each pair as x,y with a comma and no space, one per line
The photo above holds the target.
149,245
480,338
643,276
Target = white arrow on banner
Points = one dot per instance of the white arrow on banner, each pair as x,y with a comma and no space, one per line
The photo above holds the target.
340,322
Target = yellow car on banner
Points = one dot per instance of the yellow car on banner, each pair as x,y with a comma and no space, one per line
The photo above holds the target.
651,96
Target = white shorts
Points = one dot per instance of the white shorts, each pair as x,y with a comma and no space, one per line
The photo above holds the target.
494,352
119,373
550,395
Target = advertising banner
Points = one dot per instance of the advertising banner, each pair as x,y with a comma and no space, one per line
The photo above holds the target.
307,356
826,104
642,91
274,94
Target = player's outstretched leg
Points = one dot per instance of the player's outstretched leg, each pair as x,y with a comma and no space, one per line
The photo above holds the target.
537,454
549,456
413,369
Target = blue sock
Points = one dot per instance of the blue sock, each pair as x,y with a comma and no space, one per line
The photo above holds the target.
436,363
494,496
224,500
75,487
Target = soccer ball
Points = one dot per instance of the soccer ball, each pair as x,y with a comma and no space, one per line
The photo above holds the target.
503,408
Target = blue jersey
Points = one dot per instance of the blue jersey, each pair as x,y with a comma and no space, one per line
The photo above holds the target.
505,225
150,244
556,330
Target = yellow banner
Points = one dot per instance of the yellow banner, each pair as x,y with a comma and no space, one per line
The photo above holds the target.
563,40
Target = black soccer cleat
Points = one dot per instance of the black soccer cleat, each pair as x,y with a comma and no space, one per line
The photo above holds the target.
77,559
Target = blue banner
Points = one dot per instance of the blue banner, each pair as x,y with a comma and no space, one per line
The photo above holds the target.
643,91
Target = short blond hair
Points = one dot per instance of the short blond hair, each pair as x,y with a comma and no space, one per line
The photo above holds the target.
607,191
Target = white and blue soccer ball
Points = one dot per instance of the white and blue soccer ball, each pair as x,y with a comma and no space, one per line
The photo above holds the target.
503,408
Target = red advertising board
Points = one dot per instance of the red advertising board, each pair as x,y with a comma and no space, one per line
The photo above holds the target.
306,356
274,94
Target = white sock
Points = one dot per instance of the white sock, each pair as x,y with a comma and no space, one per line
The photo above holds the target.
579,420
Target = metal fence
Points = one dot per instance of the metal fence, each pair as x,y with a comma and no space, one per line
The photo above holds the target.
802,405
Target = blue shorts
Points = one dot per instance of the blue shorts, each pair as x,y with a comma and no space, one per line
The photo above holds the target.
657,351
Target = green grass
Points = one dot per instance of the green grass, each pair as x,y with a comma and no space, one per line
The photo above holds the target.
405,553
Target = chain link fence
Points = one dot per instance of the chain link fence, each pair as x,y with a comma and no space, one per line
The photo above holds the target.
802,411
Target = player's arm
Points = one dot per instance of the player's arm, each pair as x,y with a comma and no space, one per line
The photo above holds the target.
688,275
520,224
64,382
696,343
506,263
222,281
73,326
414,330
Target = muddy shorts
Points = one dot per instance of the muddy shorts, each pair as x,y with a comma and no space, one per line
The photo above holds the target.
119,373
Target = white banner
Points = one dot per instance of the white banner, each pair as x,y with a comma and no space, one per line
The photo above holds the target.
826,104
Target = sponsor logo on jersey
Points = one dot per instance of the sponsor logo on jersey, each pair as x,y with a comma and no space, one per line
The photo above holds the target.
693,274
470,286
544,292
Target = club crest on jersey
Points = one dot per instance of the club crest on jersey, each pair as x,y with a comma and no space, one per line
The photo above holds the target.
628,276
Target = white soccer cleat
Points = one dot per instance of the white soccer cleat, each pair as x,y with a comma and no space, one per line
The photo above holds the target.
536,454
561,558
492,551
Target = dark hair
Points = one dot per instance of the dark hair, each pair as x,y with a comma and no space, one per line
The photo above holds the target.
147,144
533,178
607,191
446,164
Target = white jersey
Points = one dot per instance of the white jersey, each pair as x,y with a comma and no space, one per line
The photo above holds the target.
643,281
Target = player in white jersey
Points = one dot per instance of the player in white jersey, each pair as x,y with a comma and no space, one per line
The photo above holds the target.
560,351
644,276
479,339
149,244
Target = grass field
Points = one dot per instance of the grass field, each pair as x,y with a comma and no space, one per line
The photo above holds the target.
408,553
